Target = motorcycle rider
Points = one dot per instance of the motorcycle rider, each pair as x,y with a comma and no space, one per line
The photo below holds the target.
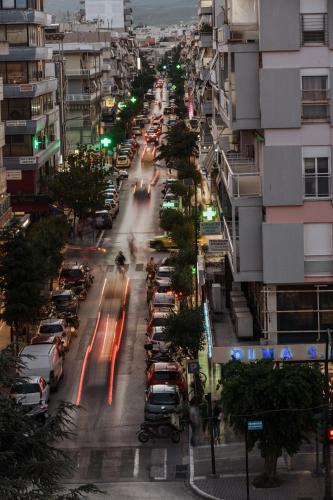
120,261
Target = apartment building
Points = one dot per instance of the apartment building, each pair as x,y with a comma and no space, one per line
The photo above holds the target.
110,14
31,117
5,208
272,77
99,66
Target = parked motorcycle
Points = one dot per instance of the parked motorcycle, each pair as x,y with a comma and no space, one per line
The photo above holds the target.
163,428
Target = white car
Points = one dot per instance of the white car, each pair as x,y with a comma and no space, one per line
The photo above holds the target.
123,174
32,391
111,193
55,327
158,340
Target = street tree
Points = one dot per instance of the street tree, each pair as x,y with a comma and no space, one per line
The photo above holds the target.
32,463
185,332
22,277
184,235
48,236
286,397
182,281
81,183
180,144
170,218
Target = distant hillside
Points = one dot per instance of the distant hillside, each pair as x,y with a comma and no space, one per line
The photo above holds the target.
154,12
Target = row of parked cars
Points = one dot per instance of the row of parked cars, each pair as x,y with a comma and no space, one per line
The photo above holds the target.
165,378
42,362
126,152
104,218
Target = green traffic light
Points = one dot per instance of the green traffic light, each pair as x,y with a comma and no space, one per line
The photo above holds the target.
106,142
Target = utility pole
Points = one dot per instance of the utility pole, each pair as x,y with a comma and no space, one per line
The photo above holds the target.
327,449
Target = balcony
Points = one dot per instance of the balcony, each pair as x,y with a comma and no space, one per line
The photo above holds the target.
241,176
205,7
206,39
30,89
28,54
225,104
81,73
315,105
32,162
314,29
207,107
75,98
21,16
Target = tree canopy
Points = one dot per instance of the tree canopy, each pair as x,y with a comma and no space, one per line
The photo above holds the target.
185,331
32,465
81,183
285,397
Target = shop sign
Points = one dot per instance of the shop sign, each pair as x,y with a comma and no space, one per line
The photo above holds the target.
16,123
27,160
218,246
14,175
210,228
26,88
290,352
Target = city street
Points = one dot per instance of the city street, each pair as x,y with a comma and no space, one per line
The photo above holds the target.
105,367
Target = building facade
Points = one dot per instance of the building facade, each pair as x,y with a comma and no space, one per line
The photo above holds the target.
5,208
271,160
29,110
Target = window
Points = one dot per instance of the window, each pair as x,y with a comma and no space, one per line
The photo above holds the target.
317,177
8,4
21,4
16,109
315,97
17,72
18,145
314,29
317,240
32,36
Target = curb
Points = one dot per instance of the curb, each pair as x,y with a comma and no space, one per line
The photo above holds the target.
193,486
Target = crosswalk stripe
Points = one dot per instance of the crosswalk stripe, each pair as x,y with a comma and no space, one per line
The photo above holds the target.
136,462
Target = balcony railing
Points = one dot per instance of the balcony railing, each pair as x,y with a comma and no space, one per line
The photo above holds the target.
314,29
82,97
81,72
241,176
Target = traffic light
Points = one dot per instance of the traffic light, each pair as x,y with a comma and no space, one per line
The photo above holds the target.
106,142
193,270
133,99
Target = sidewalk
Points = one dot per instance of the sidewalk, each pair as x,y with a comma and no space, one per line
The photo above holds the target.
230,481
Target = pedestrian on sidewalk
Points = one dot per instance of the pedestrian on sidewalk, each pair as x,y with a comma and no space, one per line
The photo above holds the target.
217,417
194,418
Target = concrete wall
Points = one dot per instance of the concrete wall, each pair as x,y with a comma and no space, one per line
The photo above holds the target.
280,98
281,264
247,85
279,22
283,181
250,237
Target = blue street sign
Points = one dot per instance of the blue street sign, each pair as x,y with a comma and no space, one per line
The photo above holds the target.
255,425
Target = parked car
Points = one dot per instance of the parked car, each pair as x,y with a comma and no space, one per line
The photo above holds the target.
31,392
162,399
122,174
164,285
50,339
55,327
164,272
65,301
123,161
74,276
113,207
163,302
103,219
170,373
167,110
136,130
162,242
42,360
158,318
157,341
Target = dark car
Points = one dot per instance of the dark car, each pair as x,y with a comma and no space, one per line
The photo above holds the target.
65,301
142,190
74,275
161,400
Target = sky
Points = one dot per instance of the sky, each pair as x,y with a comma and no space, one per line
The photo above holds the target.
154,12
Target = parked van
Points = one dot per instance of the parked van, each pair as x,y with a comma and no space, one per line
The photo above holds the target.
43,360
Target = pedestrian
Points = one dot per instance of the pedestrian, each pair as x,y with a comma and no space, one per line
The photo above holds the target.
217,417
194,419
150,292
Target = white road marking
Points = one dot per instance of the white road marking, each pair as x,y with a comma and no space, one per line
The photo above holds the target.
165,463
100,239
136,462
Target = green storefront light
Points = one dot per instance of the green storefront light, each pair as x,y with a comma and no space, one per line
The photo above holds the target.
133,99
35,142
106,142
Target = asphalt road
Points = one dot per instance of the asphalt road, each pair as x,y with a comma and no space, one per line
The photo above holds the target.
105,366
